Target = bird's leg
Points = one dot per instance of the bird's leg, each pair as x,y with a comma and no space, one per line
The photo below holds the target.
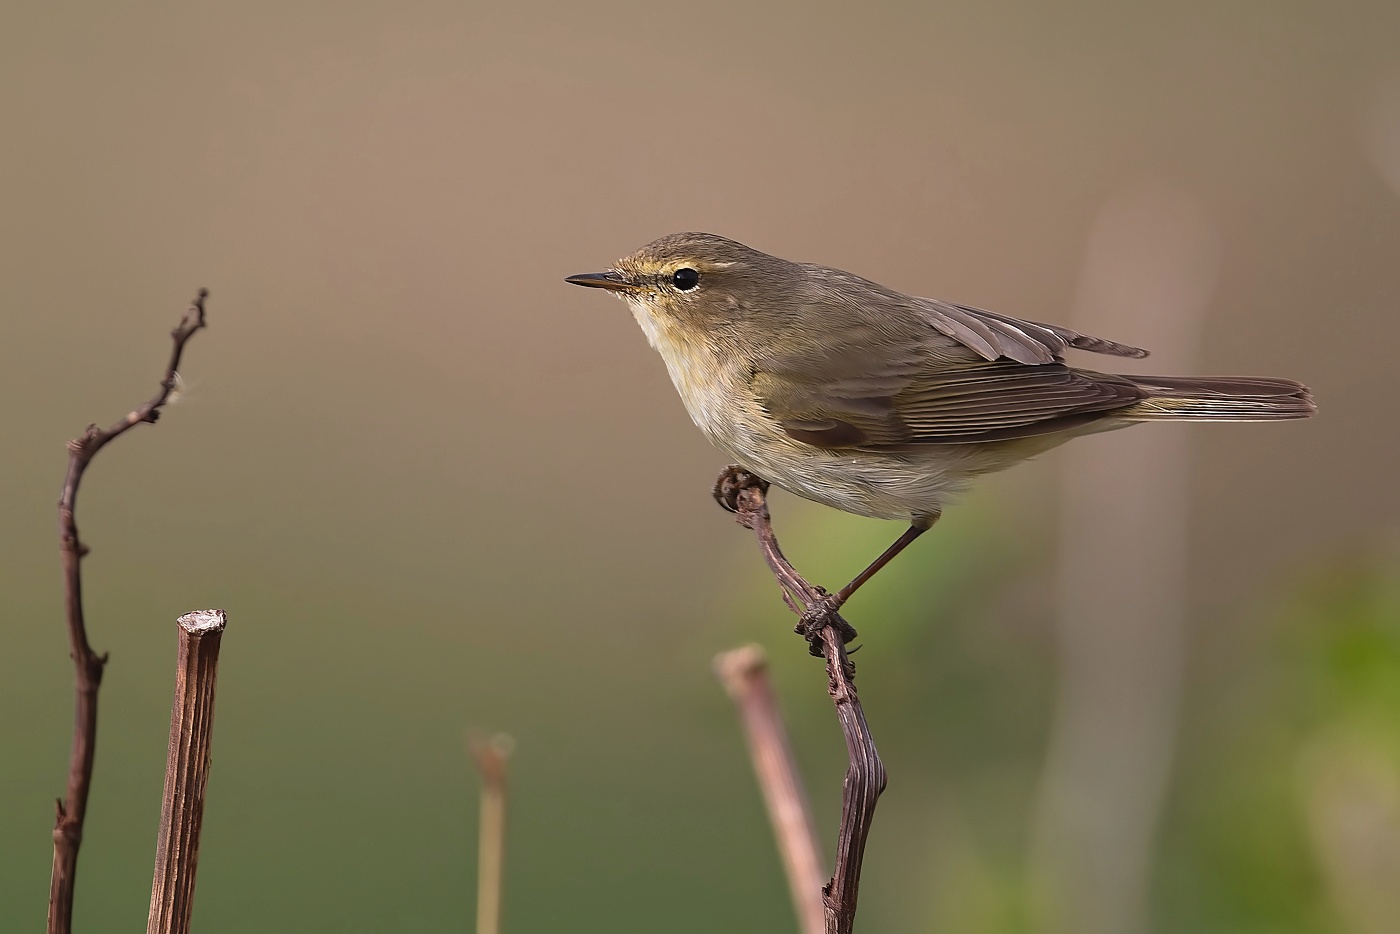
816,615
916,528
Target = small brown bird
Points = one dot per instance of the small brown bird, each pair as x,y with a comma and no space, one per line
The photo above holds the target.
879,403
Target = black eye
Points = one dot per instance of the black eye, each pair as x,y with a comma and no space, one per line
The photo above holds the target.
685,279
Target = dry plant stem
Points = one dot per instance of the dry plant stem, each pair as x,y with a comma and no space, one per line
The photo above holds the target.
490,757
186,772
88,665
827,633
744,674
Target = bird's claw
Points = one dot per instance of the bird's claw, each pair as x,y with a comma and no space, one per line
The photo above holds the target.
732,482
818,617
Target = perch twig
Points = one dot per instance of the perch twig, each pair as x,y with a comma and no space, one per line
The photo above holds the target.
88,665
827,634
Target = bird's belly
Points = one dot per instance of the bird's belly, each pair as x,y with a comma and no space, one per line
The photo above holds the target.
880,486
865,483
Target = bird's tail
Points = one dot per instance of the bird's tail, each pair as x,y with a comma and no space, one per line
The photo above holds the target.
1219,398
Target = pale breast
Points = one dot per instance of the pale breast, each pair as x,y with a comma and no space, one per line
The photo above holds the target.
714,391
703,380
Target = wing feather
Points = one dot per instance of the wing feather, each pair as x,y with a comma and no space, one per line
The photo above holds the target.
983,402
994,336
920,371
1008,396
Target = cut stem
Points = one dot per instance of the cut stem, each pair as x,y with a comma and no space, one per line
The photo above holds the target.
186,772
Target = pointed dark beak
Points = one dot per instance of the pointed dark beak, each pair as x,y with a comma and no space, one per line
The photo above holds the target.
610,280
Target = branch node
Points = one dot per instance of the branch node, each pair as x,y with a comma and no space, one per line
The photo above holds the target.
82,445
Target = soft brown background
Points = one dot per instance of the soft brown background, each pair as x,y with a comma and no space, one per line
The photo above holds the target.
436,487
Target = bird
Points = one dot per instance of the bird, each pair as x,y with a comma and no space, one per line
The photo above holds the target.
881,404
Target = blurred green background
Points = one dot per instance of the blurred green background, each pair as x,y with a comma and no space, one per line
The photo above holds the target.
1148,682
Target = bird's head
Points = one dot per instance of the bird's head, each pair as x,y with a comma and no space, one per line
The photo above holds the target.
695,287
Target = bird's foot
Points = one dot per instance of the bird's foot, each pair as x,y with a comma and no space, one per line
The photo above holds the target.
818,617
733,482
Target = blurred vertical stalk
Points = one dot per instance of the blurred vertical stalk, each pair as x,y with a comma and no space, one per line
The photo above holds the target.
744,674
1149,273
490,757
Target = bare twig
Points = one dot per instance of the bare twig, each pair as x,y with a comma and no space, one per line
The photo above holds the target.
827,633
88,665
186,772
490,757
744,673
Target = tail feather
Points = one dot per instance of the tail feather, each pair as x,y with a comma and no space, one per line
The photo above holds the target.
1220,398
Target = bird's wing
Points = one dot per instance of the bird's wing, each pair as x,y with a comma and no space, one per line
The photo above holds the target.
1003,399
995,336
988,401
921,371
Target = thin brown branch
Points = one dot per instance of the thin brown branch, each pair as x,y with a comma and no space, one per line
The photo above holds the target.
87,664
827,633
490,757
744,674
186,772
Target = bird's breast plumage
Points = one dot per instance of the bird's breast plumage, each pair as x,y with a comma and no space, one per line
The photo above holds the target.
716,389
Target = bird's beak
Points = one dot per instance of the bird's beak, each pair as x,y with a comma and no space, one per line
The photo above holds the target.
611,280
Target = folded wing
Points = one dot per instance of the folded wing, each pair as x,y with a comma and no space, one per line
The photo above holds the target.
995,336
991,401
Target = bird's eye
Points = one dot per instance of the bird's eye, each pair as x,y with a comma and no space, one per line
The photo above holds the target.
685,279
